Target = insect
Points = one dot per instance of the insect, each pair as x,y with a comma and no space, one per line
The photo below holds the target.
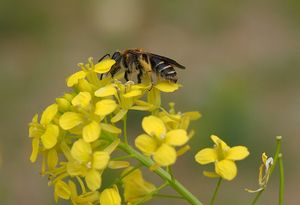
143,63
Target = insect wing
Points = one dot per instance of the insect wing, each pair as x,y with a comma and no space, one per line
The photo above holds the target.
167,60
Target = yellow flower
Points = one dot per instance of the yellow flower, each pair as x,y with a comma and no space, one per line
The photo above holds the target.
68,191
90,71
223,156
264,172
87,117
127,96
110,196
159,142
88,163
135,187
46,131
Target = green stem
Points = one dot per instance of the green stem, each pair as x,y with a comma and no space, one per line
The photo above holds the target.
146,161
168,196
257,196
277,152
212,201
125,129
281,182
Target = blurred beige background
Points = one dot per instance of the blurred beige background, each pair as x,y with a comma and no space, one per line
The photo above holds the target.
243,74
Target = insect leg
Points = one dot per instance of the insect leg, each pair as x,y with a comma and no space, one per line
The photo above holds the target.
104,57
126,75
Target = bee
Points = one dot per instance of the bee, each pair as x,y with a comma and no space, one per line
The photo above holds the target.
143,63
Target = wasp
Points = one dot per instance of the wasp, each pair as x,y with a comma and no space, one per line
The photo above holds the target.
143,63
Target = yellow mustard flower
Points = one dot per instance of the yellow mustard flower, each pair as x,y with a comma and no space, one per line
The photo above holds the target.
127,96
135,187
154,97
223,156
264,172
110,196
159,142
45,131
86,117
178,120
68,191
90,71
88,163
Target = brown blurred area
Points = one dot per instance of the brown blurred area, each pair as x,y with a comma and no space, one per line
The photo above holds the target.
243,75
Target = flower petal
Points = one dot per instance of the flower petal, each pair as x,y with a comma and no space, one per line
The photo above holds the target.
74,168
81,151
176,137
48,114
82,99
210,174
220,143
49,138
91,132
35,149
119,116
165,155
153,126
62,190
132,93
166,86
110,128
100,160
69,120
226,169
206,156
73,79
118,164
93,179
106,91
193,115
105,107
104,65
110,196
146,144
237,153
52,159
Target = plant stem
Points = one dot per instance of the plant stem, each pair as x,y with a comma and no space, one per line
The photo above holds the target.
212,201
278,149
277,152
146,161
125,129
257,196
168,196
281,181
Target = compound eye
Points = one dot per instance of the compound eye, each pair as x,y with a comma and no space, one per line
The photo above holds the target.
116,55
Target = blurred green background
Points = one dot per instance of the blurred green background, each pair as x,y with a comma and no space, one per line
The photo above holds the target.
243,75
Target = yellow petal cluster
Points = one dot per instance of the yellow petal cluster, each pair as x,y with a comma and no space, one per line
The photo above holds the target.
223,157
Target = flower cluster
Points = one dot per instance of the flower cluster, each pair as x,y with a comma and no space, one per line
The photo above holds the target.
78,134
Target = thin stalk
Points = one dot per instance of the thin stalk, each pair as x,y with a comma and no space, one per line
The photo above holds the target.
168,196
281,180
125,129
277,152
257,196
212,201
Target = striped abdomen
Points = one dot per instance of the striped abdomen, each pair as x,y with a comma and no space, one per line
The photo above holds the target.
164,69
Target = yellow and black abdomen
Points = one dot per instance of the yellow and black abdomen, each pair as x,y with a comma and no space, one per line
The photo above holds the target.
164,69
